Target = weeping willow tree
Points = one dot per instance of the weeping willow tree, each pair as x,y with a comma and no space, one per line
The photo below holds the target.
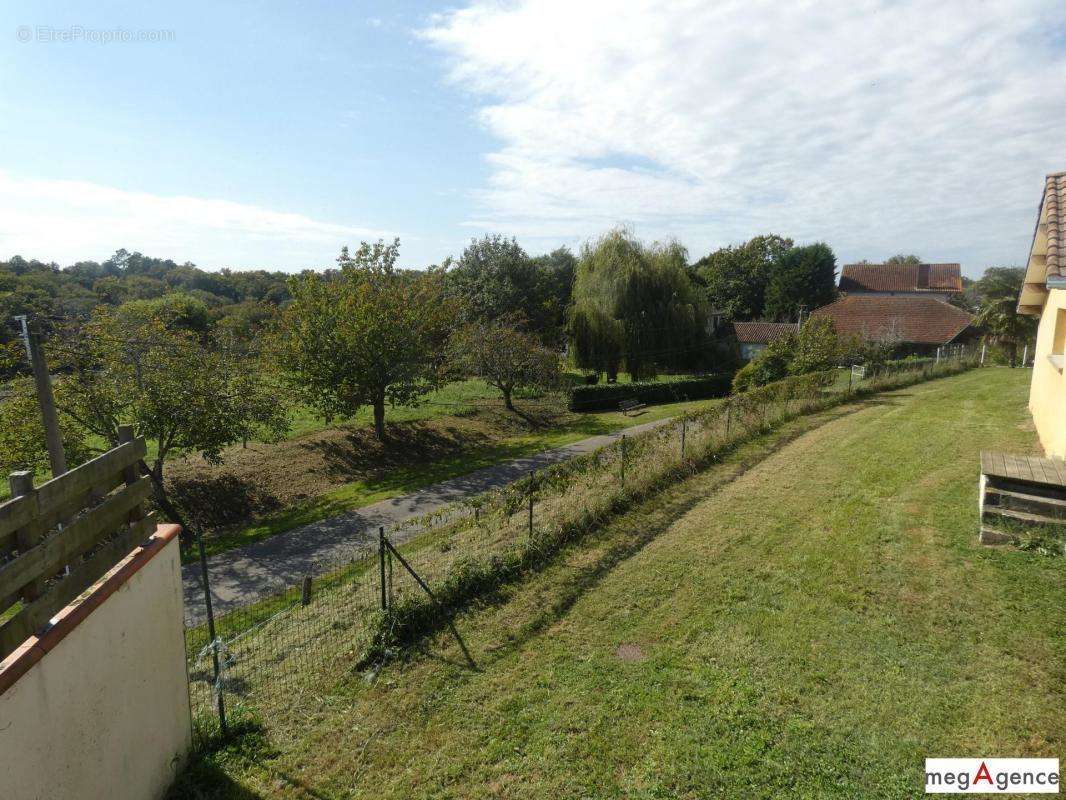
635,305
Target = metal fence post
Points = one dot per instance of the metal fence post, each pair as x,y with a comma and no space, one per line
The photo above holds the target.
305,591
728,414
219,699
531,489
623,449
381,565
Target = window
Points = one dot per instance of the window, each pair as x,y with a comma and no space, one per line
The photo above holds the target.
1058,343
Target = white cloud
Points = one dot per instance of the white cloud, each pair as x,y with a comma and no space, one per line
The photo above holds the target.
877,126
68,221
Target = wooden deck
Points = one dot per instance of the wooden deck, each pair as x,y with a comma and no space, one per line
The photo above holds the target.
1030,469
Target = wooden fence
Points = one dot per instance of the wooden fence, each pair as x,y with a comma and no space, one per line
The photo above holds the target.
58,539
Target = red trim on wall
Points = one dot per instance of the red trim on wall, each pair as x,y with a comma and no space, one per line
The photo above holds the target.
33,649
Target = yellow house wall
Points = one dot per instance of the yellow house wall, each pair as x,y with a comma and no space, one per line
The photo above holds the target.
105,715
1047,396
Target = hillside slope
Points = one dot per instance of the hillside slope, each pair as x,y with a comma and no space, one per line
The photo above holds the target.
812,626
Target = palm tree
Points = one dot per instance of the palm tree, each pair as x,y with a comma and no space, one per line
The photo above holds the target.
997,315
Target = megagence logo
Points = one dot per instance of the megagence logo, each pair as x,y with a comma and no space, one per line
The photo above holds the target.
991,776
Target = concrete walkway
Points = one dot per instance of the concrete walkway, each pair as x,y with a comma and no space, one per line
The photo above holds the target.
246,574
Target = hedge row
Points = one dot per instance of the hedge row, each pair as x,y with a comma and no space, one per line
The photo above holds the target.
609,395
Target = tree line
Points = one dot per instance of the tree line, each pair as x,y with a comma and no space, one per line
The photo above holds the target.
200,361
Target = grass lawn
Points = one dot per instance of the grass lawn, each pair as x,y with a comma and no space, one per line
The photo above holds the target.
810,618
454,399
418,470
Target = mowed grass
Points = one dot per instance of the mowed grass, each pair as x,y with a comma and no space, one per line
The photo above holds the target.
810,618
453,399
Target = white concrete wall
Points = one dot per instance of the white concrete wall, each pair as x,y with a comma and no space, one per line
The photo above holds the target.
1047,397
105,713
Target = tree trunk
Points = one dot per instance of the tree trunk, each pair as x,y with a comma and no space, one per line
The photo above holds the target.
164,503
507,398
379,418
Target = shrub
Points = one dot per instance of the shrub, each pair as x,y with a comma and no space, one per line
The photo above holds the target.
772,364
609,395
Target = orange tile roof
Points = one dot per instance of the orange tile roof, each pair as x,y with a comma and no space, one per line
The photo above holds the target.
1055,206
901,278
911,320
763,332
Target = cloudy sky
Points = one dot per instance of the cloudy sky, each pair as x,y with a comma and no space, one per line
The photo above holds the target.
269,135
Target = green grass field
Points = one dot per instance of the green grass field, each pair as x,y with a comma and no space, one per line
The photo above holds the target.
810,618
454,399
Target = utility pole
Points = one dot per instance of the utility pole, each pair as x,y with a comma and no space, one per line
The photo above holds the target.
56,457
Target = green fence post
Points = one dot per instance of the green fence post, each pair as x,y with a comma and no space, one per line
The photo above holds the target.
531,490
381,567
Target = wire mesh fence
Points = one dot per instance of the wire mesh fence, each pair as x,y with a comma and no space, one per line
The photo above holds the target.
280,656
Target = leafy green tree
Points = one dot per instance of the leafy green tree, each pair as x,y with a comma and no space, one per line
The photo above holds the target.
817,347
813,349
736,277
638,302
555,287
366,336
177,311
182,392
495,277
22,444
998,315
772,364
902,259
804,278
597,340
505,357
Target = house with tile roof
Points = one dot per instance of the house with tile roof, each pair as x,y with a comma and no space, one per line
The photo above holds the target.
914,324
753,337
902,304
1044,295
940,281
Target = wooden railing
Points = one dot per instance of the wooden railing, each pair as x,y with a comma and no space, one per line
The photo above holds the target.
58,539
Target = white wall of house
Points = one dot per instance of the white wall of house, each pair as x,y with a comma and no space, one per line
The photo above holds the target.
105,712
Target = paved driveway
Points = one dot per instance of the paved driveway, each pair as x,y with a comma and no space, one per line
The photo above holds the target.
246,574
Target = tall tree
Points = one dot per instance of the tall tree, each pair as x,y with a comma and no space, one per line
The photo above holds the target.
903,259
736,277
805,277
637,302
555,288
368,335
22,443
998,315
183,392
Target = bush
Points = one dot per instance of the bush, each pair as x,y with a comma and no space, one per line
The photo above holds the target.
222,500
772,364
609,395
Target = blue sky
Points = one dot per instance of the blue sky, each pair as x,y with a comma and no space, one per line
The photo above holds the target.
269,134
